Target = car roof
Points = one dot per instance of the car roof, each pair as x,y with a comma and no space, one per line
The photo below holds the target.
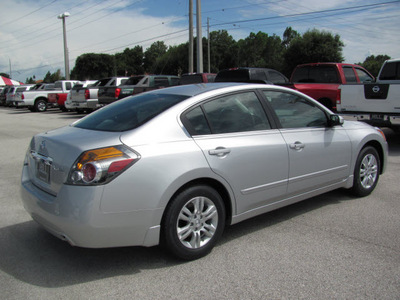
196,89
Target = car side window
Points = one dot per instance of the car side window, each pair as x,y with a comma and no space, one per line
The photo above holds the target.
276,77
161,82
349,74
233,113
363,76
294,111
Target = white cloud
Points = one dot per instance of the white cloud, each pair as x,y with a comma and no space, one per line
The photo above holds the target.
31,34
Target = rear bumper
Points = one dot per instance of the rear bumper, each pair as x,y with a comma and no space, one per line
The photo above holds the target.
74,215
20,104
89,104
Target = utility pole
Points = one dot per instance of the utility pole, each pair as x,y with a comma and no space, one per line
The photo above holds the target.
190,36
208,46
66,59
199,38
9,59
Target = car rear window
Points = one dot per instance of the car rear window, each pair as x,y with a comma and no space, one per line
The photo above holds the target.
192,78
129,113
391,71
133,80
240,75
316,74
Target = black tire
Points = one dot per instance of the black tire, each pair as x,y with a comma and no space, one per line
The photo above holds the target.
198,213
366,172
40,105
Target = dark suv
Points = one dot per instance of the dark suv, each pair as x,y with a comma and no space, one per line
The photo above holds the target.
254,75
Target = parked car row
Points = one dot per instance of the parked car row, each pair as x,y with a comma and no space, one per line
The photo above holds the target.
320,81
7,94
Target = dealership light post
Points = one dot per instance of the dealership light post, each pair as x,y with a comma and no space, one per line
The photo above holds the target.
66,59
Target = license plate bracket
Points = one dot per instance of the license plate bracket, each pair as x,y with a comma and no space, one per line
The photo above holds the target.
43,170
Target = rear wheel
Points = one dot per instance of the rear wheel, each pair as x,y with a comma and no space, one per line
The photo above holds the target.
366,172
193,222
40,105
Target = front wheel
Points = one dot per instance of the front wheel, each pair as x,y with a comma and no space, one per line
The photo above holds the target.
193,222
366,172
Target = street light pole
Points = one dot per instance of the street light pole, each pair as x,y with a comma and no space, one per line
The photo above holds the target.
66,59
199,38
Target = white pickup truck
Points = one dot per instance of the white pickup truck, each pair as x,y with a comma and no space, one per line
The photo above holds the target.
37,99
376,103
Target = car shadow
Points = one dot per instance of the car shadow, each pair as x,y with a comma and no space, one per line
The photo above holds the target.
32,255
393,139
284,214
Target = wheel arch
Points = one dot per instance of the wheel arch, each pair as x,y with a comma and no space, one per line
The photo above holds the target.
41,98
379,149
213,183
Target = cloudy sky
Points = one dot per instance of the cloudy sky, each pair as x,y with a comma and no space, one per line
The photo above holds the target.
31,39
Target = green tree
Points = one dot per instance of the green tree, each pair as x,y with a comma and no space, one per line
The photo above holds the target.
174,61
31,80
50,78
374,63
5,75
261,50
313,46
93,66
223,51
152,56
288,36
129,62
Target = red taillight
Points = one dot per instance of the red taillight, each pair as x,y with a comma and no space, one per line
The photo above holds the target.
118,166
99,166
338,96
87,94
117,92
90,172
22,97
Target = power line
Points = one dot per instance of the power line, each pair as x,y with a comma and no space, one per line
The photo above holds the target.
307,13
32,12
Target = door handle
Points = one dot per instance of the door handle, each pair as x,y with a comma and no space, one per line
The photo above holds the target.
220,151
297,146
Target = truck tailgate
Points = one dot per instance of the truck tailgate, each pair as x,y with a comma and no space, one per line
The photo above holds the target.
369,98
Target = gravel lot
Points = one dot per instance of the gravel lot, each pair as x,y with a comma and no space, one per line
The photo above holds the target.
332,246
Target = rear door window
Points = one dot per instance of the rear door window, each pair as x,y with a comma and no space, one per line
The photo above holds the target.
232,113
349,74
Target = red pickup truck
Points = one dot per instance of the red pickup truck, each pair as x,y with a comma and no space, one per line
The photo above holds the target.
321,81
58,98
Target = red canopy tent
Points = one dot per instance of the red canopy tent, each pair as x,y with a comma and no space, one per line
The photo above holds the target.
8,81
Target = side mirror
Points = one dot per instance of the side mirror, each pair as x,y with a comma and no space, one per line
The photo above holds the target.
335,120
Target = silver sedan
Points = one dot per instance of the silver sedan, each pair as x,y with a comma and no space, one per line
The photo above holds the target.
175,166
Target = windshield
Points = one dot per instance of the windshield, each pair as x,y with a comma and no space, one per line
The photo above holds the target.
129,113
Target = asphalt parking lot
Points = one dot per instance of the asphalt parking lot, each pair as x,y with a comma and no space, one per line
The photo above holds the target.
332,246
